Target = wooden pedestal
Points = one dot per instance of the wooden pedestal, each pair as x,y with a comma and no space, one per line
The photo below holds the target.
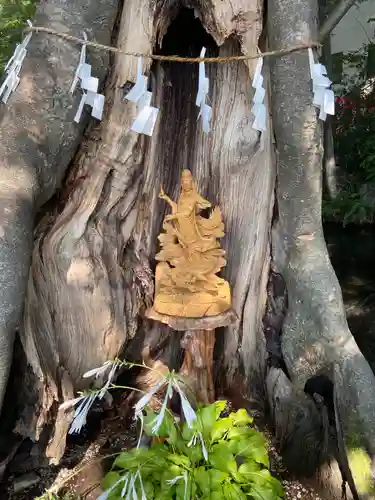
198,342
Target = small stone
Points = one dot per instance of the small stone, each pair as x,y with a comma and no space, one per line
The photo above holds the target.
25,481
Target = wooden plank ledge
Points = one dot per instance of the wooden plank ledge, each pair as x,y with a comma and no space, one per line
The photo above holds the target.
206,323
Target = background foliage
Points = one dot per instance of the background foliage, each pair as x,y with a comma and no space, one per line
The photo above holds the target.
13,15
354,138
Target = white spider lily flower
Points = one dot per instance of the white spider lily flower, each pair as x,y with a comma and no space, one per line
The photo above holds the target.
71,402
131,492
187,409
107,385
175,480
204,449
159,419
80,415
141,484
144,401
100,371
125,487
193,442
96,372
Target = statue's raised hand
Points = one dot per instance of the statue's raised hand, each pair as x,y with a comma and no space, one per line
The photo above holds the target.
162,194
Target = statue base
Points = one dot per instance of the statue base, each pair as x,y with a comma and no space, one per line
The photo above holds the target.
198,343
194,305
226,318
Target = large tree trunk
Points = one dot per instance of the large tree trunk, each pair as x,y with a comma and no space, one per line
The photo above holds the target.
315,335
37,142
91,273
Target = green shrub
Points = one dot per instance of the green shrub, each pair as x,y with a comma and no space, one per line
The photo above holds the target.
13,15
215,458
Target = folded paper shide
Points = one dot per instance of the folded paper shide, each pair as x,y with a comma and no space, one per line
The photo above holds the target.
145,120
259,109
324,98
205,111
146,117
13,67
89,85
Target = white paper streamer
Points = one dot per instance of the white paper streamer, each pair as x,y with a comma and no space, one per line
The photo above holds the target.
89,85
323,96
13,68
145,120
259,109
82,62
205,112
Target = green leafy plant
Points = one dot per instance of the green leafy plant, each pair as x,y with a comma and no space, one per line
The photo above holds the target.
350,206
13,15
216,457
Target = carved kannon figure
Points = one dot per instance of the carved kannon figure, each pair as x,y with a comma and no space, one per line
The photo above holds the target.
190,257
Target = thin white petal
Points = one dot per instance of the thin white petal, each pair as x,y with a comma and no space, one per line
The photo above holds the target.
141,483
147,397
204,449
125,487
109,381
70,403
159,420
97,371
81,412
187,409
173,481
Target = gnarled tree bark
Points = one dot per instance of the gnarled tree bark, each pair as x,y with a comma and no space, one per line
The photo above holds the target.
91,278
315,336
37,142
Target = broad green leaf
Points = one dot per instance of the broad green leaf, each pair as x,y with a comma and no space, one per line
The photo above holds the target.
248,468
131,459
252,446
191,489
241,433
194,453
222,459
217,478
181,460
206,418
241,417
216,495
171,472
261,479
169,475
188,433
233,492
148,422
261,492
259,454
149,489
220,427
202,478
220,407
110,479
165,494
